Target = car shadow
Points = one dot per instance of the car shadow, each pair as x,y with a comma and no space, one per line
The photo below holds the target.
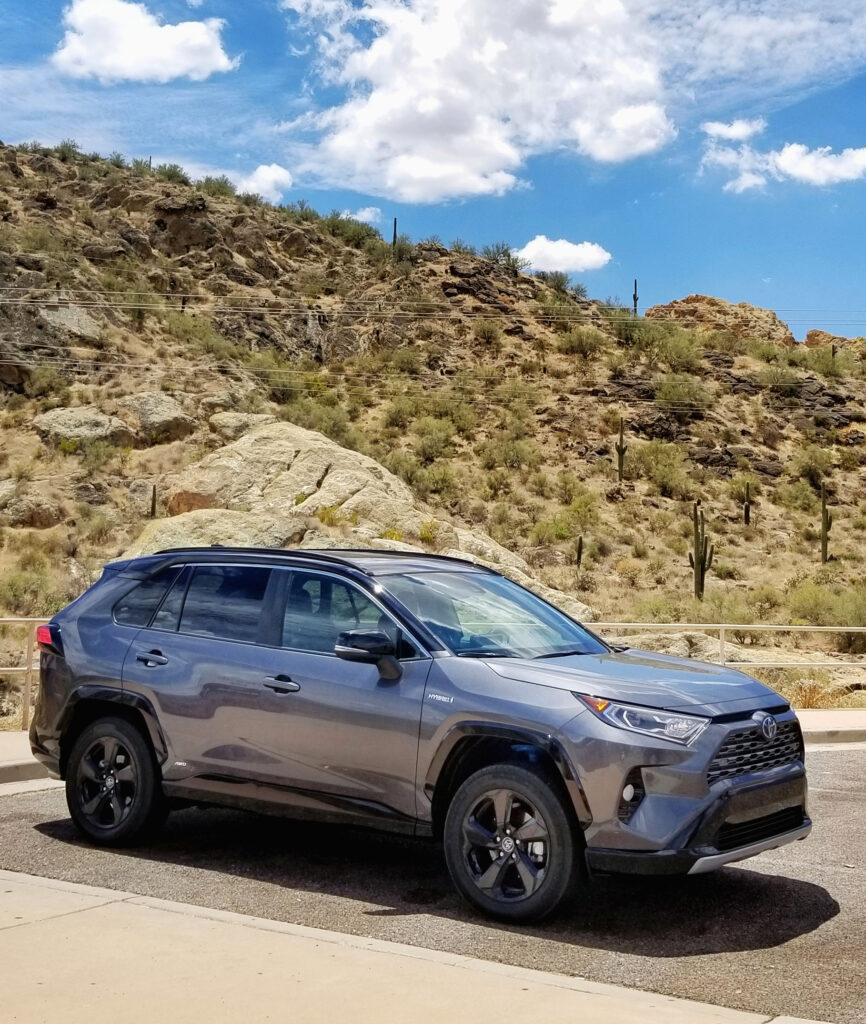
731,910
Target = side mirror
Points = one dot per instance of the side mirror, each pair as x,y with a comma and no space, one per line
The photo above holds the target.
364,645
372,647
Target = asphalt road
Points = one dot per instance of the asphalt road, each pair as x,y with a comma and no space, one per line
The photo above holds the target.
783,934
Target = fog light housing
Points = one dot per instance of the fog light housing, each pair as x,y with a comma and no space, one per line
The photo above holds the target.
633,792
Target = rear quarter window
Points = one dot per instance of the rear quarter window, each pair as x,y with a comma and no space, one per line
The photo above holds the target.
137,606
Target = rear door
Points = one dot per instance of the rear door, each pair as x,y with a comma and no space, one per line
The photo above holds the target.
206,662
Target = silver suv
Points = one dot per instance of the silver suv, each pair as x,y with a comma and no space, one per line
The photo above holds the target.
415,693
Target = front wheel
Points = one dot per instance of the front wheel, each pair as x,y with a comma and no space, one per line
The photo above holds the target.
112,787
510,845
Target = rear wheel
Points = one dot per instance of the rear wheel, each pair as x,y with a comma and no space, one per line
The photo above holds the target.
112,786
510,845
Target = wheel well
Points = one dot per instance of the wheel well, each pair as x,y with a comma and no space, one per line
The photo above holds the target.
87,711
473,753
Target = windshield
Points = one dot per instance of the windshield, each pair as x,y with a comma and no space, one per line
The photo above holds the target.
476,615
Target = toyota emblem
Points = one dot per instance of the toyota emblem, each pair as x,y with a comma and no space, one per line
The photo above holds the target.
769,725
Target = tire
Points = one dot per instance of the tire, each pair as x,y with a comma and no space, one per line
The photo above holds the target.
113,789
510,844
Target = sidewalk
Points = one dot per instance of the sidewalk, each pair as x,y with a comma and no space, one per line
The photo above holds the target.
841,726
75,953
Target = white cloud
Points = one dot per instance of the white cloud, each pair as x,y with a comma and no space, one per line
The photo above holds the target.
269,181
819,166
115,40
754,168
545,253
734,131
444,99
450,99
366,215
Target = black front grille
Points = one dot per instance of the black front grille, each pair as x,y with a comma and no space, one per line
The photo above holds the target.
746,750
745,833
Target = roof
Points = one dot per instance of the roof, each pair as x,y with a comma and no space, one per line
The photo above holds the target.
372,562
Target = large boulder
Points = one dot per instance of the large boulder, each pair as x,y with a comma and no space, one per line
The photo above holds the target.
705,313
282,485
823,339
72,319
84,425
231,425
160,417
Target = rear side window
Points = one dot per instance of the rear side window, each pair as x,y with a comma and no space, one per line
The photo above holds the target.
225,601
137,606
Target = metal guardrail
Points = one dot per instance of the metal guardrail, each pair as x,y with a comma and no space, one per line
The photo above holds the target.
28,670
723,628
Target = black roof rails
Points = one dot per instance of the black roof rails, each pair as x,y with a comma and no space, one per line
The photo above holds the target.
323,555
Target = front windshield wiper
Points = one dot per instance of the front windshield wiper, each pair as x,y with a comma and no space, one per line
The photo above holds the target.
559,654
483,654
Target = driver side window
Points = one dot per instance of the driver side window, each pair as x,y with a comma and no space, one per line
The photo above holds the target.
319,608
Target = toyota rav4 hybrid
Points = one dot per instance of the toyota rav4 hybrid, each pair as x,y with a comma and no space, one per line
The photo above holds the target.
411,692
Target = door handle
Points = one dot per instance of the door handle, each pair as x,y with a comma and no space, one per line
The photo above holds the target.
152,658
282,684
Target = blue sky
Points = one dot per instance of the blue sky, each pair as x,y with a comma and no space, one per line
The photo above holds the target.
714,146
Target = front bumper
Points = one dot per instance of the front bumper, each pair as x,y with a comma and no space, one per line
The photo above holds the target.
744,821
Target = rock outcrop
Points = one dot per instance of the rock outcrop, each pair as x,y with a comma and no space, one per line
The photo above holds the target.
160,417
816,339
84,425
705,313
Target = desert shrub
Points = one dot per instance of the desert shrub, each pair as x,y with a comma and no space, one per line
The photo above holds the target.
464,418
437,478
813,464
400,412
680,350
509,453
539,483
503,255
117,159
681,395
781,380
737,486
353,232
173,173
46,381
96,454
665,466
220,185
433,437
581,341
568,522
67,150
486,331
392,533
567,485
250,199
497,483
406,360
140,168
402,464
557,280
428,531
832,604
332,421
465,248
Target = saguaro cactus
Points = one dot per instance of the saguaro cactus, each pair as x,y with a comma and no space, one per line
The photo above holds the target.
702,557
747,504
153,503
826,523
578,551
620,447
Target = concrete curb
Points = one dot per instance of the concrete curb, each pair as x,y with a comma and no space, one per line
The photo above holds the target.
593,1001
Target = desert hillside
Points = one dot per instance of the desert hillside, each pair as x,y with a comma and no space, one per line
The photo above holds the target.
177,360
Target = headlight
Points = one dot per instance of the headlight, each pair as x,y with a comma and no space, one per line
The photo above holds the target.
663,725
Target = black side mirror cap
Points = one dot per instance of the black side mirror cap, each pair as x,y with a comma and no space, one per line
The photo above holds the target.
364,645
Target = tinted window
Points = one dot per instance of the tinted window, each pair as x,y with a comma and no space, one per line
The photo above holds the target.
225,601
169,610
319,608
137,606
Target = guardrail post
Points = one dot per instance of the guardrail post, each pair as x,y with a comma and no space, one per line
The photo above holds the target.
722,645
27,695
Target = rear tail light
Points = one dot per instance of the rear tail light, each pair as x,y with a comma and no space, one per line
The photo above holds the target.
48,638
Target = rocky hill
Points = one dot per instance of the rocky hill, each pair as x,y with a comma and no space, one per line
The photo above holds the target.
178,364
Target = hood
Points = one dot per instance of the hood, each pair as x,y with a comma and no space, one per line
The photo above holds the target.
641,677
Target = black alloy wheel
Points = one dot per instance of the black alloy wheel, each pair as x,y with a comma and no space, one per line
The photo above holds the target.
111,783
510,843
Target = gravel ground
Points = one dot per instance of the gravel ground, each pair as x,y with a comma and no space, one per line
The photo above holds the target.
785,933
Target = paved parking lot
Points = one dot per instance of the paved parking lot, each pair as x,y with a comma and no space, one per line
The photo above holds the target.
783,934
